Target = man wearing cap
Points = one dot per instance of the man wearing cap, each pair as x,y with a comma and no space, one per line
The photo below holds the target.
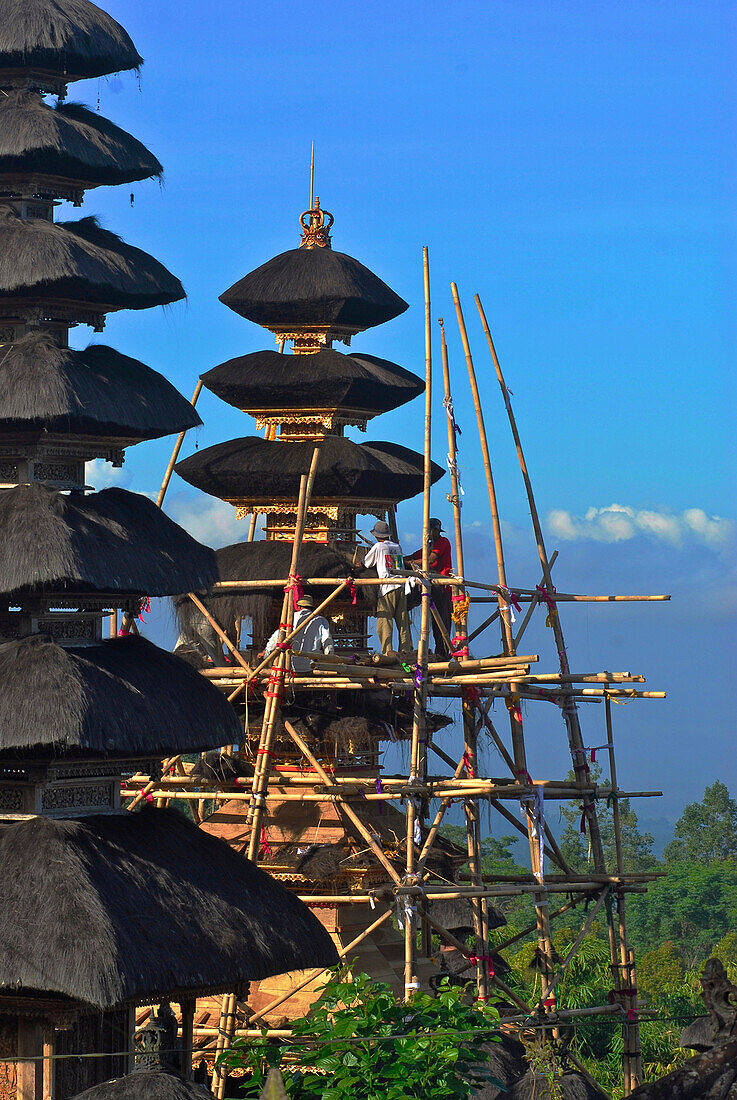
439,561
391,606
315,638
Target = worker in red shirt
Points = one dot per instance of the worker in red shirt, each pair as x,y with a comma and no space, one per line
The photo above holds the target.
439,561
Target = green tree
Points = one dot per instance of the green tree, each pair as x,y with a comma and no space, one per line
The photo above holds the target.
660,971
706,830
636,845
695,906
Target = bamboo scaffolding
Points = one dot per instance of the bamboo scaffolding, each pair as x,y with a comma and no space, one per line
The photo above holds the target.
504,597
264,755
418,750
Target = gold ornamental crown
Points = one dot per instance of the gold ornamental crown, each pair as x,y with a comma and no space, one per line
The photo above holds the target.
315,228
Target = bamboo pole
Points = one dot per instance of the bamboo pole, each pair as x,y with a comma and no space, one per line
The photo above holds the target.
347,810
455,498
343,953
571,715
515,714
272,709
418,751
175,452
560,973
290,635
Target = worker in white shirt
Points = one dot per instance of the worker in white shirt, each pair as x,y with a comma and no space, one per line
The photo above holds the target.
391,606
315,638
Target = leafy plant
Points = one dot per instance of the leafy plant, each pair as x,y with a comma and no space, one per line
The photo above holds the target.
359,1042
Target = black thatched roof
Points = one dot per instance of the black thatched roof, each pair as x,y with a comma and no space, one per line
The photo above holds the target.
72,38
314,286
147,1084
112,542
456,914
123,907
569,1086
68,141
79,262
323,380
700,1034
96,392
506,1062
263,560
255,468
122,697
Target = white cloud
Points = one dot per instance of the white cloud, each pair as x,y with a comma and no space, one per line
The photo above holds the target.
209,520
620,523
103,475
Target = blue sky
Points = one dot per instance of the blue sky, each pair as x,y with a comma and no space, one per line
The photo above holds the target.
573,163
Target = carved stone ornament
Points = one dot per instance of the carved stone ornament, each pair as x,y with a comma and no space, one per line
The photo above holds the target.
720,997
315,231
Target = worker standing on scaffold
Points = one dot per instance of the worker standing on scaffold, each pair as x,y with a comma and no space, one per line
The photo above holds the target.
439,561
391,605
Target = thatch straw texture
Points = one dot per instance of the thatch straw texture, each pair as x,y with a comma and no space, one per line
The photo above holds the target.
314,286
147,1084
507,1064
73,38
95,392
569,1086
113,542
117,908
243,561
123,697
699,1035
80,262
254,468
324,380
69,141
456,914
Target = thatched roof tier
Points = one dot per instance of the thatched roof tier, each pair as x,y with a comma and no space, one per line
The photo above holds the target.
147,1084
120,698
257,469
266,380
456,914
111,542
66,142
244,561
77,262
700,1034
96,392
569,1086
67,39
122,908
314,286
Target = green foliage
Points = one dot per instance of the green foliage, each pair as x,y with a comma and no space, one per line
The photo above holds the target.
694,906
360,1042
660,970
706,830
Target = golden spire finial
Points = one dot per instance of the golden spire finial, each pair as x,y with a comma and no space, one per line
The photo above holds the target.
316,229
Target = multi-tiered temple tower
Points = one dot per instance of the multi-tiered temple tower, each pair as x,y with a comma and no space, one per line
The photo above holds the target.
314,296
101,909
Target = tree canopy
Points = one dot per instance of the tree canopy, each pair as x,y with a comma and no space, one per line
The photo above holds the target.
706,830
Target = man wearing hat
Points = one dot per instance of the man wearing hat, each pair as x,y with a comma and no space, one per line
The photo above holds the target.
315,638
391,606
439,561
